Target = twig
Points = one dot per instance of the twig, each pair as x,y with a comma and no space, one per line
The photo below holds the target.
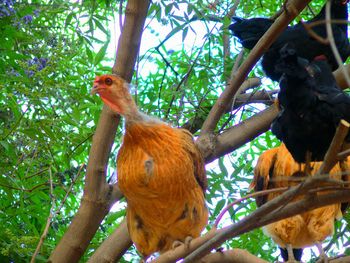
16,124
255,194
37,173
48,221
332,42
22,189
330,158
308,27
185,78
52,212
70,188
237,63
344,154
80,143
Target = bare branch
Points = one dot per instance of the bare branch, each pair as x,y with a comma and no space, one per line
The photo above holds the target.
264,43
255,194
332,42
272,211
48,220
236,136
330,158
232,256
340,77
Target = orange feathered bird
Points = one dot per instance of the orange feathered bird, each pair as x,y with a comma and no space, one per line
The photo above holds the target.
273,169
160,172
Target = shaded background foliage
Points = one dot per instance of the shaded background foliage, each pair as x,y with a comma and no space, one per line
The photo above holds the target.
50,53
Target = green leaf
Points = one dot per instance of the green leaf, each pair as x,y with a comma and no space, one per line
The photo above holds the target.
101,54
184,33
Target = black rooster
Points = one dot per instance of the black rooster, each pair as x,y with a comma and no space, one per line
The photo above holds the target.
249,31
311,105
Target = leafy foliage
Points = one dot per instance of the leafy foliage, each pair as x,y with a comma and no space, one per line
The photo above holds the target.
50,53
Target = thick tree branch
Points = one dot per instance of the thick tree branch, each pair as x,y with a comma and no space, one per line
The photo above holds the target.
232,256
331,157
340,78
97,198
214,147
183,250
113,248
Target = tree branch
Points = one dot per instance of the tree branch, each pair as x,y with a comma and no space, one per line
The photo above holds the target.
273,211
232,256
263,44
213,147
331,157
113,248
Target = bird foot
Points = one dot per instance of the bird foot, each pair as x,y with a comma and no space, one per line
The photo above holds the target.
323,257
186,242
291,258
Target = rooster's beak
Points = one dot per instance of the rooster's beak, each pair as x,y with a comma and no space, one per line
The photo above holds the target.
94,90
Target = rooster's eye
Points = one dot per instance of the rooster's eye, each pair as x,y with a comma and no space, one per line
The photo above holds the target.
108,81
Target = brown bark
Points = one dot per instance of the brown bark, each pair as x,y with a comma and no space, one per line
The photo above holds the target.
339,76
98,195
113,248
232,256
95,203
240,134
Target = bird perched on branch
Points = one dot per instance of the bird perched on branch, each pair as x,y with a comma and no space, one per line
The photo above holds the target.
312,105
276,168
160,172
249,32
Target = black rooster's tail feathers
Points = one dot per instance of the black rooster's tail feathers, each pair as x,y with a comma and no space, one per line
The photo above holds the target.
249,31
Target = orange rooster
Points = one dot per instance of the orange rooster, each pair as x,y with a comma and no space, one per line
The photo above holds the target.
303,230
160,172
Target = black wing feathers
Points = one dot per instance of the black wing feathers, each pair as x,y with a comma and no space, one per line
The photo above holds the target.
311,105
249,31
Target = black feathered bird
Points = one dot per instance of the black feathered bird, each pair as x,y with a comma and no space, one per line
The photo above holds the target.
249,31
311,105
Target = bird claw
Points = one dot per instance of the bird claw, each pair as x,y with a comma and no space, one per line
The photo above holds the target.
291,258
186,242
